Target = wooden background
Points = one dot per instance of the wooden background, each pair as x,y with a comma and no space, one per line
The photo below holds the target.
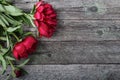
86,45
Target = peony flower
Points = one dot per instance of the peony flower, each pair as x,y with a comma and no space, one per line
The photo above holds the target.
18,73
25,47
45,19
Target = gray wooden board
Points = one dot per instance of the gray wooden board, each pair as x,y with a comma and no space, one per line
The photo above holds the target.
78,52
89,34
71,72
87,30
79,9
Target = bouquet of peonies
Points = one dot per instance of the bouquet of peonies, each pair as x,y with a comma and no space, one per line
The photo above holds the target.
15,44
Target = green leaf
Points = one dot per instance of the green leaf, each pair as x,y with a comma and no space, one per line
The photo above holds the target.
2,23
16,14
4,2
20,30
11,29
26,20
4,50
12,10
25,62
30,18
11,20
10,58
0,46
3,63
2,9
4,20
8,18
9,1
3,38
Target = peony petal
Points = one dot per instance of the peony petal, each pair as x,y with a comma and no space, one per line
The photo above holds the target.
53,15
37,15
44,26
15,54
48,6
49,11
42,17
36,23
33,48
46,31
51,31
39,3
43,29
20,49
52,23
40,9
43,32
24,55
29,43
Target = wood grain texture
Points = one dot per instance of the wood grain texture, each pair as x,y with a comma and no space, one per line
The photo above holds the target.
79,9
71,72
84,30
80,40
77,52
70,25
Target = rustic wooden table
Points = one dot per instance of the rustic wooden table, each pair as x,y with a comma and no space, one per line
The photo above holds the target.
86,45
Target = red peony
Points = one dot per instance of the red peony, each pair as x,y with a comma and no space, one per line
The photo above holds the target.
18,73
45,19
23,48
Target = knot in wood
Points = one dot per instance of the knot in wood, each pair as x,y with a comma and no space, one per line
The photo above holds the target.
93,9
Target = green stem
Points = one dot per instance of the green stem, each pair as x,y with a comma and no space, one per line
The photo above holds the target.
8,42
12,66
16,37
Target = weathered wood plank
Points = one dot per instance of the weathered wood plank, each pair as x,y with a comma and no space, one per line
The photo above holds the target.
71,72
79,9
86,30
82,31
77,52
